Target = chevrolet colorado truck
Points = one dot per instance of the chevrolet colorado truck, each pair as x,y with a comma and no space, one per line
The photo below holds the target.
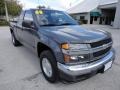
66,50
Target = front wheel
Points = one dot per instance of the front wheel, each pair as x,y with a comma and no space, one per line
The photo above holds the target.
49,66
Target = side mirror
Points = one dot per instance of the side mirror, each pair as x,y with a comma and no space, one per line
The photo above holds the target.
28,24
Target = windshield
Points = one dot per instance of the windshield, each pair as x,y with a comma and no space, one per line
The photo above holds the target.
54,18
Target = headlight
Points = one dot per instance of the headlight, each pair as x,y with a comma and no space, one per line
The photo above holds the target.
74,59
74,46
70,58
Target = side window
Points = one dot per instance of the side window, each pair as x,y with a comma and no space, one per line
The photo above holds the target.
82,17
21,18
28,16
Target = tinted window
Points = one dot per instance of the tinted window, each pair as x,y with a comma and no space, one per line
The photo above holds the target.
28,16
21,18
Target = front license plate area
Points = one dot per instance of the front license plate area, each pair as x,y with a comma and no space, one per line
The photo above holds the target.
108,66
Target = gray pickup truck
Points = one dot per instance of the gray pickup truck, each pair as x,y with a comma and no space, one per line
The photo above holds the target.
66,50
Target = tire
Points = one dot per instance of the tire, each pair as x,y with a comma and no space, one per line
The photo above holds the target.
53,77
14,40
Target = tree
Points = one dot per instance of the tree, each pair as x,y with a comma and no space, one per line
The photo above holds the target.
2,10
14,8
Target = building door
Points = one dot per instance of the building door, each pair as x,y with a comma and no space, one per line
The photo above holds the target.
101,19
91,20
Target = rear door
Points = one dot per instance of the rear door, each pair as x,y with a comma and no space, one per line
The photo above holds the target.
19,28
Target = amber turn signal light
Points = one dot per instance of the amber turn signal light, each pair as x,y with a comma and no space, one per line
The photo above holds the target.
65,46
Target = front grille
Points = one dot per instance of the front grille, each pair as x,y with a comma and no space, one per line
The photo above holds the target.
100,43
98,50
85,59
102,52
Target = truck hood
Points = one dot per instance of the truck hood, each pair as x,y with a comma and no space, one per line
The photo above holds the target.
73,34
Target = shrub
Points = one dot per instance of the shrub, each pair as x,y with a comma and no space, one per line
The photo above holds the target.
83,21
3,22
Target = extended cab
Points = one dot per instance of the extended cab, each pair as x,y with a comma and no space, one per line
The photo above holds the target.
65,49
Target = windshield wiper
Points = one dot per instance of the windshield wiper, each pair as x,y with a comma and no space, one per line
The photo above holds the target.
49,25
67,24
58,24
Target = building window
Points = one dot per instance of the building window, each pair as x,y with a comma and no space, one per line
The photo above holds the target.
82,17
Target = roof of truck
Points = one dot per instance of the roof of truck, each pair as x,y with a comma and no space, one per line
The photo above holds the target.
40,9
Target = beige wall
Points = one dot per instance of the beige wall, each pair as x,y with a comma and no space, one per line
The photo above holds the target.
86,15
117,16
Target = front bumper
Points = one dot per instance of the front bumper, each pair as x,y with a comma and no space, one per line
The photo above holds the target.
77,70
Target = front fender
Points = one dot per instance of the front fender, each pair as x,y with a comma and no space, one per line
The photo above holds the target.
52,44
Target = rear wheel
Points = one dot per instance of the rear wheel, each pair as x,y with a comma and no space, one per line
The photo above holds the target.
49,66
14,41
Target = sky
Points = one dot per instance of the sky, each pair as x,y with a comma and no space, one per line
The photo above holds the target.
55,4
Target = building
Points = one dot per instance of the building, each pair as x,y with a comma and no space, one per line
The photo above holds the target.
104,12
117,16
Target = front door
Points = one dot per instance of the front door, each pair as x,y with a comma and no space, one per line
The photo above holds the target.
28,32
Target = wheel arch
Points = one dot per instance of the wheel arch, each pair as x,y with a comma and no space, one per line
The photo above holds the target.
41,47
